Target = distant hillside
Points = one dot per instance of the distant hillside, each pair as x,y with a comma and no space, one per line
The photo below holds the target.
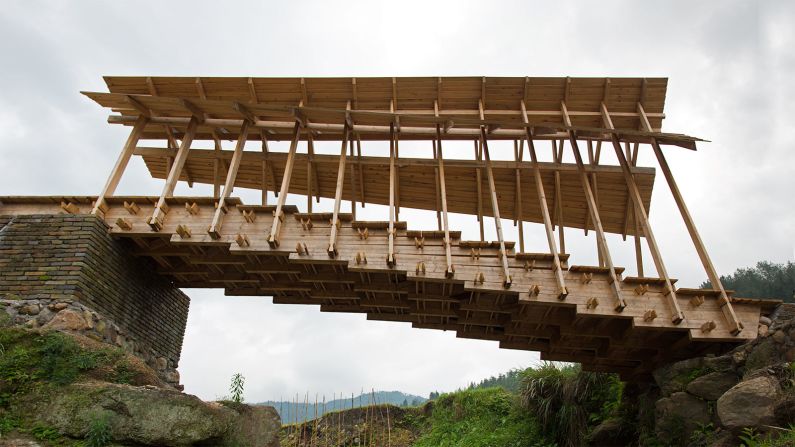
292,412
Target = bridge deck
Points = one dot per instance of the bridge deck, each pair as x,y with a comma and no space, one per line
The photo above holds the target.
584,327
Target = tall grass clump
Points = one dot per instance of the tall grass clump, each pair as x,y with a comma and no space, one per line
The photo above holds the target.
567,401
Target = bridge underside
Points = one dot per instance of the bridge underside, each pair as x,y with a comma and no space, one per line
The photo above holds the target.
583,326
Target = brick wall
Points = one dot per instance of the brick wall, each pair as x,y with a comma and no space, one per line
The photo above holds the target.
72,257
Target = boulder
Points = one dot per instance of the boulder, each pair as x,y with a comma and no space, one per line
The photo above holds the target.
713,385
152,416
67,320
680,412
611,432
674,377
749,403
254,426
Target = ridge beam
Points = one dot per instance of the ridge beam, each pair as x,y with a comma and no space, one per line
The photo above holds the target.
215,226
613,279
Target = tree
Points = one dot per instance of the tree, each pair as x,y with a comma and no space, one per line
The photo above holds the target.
766,280
236,387
405,403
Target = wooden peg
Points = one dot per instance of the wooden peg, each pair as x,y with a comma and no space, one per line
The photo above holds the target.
183,231
300,248
192,208
649,315
535,289
156,223
224,209
332,250
474,254
132,207
249,216
69,207
102,207
592,303
419,242
420,267
480,278
363,235
641,289
586,278
306,224
697,300
450,271
242,240
124,224
361,258
708,326
529,265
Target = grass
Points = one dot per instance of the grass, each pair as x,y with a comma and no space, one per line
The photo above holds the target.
487,417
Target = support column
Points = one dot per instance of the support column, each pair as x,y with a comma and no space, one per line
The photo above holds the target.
121,164
215,226
278,214
156,221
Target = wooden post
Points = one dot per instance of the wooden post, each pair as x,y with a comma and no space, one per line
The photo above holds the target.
278,214
332,243
479,180
735,326
542,201
390,256
265,167
634,193
620,303
121,163
215,227
450,270
517,147
496,209
156,221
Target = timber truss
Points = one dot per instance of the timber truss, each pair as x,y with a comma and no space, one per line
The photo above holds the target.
481,289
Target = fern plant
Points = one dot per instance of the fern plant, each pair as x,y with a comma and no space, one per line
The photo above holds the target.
236,388
98,434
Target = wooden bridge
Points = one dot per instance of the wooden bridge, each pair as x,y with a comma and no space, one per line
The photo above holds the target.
597,315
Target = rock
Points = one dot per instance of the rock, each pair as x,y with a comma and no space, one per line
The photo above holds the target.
154,416
784,410
161,363
30,309
779,336
89,319
790,355
680,412
68,320
674,377
172,376
749,403
763,354
57,307
765,320
762,331
722,363
101,326
611,432
713,385
255,426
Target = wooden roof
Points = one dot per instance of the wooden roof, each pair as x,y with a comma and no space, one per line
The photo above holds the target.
420,102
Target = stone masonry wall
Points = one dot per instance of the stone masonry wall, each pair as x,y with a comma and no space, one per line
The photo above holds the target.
66,270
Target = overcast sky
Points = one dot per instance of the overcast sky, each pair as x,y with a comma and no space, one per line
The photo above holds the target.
730,66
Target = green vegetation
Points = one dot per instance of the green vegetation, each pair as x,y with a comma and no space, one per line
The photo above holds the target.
785,438
486,417
33,362
236,388
98,432
766,280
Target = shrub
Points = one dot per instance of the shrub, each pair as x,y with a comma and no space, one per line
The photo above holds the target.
568,401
